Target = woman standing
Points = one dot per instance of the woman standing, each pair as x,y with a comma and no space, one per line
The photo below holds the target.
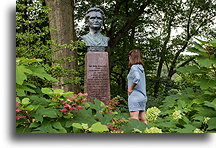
136,87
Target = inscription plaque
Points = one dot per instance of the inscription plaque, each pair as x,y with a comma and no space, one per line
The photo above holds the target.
97,83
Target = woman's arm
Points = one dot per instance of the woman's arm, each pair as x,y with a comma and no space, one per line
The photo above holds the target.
136,79
130,89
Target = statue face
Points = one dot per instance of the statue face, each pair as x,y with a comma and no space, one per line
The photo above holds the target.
95,20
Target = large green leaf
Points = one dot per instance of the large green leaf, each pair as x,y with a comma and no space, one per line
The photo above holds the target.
47,91
23,129
27,60
201,41
44,112
84,116
41,73
59,127
211,104
134,123
37,117
32,107
58,91
188,128
197,124
199,47
49,127
22,89
213,43
198,100
195,50
29,84
206,112
20,74
37,100
77,125
170,101
206,62
199,118
189,69
34,125
181,104
97,105
212,123
205,83
47,112
167,124
99,128
104,119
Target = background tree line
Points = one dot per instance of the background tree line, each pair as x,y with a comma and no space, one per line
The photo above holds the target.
161,29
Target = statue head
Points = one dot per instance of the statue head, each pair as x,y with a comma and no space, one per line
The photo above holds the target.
94,18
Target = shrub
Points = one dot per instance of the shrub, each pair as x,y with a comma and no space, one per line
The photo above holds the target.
193,110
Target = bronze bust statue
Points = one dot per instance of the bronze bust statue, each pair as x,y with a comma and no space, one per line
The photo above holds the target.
95,41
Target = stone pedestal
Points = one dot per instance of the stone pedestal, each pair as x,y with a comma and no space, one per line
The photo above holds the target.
97,82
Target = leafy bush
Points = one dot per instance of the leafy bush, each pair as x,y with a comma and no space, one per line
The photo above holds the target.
26,71
69,113
193,109
55,111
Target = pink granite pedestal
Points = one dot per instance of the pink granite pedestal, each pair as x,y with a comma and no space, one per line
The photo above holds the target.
97,82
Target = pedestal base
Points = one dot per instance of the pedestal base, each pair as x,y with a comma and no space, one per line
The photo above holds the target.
97,82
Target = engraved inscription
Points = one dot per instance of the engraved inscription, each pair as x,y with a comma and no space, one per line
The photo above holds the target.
97,77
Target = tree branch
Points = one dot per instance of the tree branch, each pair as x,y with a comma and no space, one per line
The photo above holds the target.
129,24
113,23
173,64
182,65
186,62
162,59
189,20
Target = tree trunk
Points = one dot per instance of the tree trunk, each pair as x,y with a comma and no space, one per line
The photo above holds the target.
157,84
162,57
61,22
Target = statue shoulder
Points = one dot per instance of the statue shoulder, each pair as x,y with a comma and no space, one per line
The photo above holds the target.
85,36
105,38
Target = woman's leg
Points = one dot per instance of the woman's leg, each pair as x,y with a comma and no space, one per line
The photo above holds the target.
134,115
142,116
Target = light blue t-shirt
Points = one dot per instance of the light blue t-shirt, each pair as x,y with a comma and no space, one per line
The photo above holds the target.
137,75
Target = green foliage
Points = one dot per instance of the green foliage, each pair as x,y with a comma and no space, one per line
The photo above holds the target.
32,31
27,69
40,109
193,110
69,113
55,111
95,128
33,41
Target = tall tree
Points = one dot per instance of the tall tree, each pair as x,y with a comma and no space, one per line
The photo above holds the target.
61,22
193,17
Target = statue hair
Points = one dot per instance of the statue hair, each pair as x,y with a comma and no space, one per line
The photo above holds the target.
95,9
